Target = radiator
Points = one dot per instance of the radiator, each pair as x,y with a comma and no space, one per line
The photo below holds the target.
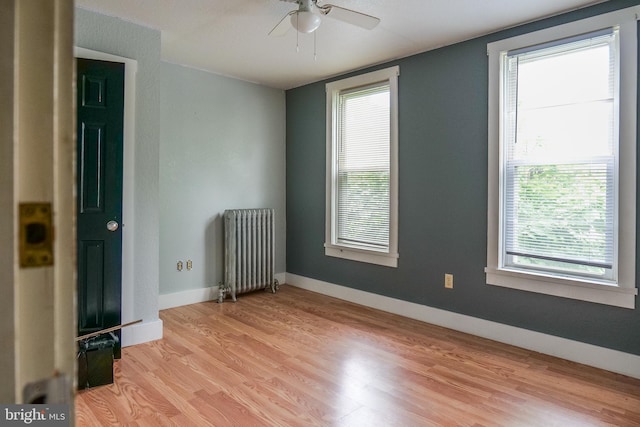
249,252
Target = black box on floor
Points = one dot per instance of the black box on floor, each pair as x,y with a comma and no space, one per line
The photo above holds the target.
95,361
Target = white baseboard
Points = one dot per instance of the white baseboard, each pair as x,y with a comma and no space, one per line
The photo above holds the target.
141,333
194,296
587,354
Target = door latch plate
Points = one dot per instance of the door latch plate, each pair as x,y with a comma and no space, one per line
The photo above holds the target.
36,235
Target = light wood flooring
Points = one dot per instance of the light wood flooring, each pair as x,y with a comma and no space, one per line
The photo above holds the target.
298,358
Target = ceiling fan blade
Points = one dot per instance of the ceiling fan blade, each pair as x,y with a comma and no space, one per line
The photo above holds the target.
350,16
283,26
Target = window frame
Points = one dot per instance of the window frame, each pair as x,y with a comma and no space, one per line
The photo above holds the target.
362,253
622,291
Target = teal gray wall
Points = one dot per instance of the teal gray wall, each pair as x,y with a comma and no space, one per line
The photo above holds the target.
442,200
222,146
121,38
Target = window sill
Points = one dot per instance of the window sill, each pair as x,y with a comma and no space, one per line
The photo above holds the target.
563,287
361,255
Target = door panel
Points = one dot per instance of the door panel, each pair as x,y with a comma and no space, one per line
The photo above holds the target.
91,158
100,106
93,296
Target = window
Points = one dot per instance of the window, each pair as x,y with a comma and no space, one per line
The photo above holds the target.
562,183
362,171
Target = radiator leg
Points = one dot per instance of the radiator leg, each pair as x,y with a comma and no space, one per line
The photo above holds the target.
222,290
274,286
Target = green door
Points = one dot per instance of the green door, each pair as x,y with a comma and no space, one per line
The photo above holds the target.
100,107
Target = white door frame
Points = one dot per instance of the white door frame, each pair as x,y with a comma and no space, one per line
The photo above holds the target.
37,143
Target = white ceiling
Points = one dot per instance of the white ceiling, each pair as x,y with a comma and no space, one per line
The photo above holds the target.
230,37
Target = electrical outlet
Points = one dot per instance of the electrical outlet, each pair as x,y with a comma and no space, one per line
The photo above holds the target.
448,281
179,265
189,265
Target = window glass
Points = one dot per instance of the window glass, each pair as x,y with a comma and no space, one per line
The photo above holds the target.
362,168
560,155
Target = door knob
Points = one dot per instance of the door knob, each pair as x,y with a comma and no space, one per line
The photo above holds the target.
112,225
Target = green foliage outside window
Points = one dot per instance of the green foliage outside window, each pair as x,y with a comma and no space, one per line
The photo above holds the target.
564,206
364,207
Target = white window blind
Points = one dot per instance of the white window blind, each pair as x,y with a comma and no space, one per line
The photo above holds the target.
560,134
363,170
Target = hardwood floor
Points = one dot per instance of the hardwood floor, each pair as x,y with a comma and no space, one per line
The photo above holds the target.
298,358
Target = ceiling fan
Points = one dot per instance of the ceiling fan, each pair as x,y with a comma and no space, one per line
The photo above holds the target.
308,16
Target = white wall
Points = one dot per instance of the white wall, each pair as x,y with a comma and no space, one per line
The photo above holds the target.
124,39
203,143
222,146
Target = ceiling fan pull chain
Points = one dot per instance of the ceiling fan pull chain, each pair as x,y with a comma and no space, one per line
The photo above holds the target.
315,36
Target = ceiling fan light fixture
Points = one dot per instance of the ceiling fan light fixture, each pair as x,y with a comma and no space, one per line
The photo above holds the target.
305,21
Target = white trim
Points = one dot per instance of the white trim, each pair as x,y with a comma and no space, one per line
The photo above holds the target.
362,255
194,296
387,258
141,333
561,287
128,171
575,351
576,289
191,296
